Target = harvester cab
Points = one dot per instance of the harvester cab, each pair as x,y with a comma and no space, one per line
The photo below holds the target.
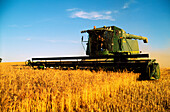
111,40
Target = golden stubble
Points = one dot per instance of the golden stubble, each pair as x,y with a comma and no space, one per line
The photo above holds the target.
25,89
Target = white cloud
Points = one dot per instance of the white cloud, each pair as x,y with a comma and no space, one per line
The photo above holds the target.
52,41
93,15
45,20
25,26
73,41
19,26
64,41
13,26
72,9
28,38
108,12
116,11
126,5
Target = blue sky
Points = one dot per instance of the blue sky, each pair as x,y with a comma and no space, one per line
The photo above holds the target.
30,28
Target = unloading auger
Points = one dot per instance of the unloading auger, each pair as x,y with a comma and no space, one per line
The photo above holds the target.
108,48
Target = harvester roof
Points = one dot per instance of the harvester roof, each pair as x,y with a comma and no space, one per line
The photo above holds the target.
108,28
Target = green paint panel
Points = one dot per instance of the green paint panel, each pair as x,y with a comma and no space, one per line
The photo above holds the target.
129,45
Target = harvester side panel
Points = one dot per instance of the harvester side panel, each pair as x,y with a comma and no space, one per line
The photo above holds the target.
130,45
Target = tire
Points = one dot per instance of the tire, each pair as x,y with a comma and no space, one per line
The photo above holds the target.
156,74
153,71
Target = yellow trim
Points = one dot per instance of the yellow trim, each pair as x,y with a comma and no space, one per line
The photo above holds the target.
131,51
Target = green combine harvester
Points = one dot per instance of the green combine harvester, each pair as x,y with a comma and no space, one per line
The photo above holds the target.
108,48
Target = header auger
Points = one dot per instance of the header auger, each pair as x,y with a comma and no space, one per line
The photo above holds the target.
108,48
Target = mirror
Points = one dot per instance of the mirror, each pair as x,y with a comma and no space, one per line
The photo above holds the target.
82,39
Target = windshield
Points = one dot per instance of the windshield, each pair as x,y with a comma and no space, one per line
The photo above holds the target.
100,41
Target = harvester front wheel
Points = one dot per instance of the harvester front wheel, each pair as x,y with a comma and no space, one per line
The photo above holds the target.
157,71
153,71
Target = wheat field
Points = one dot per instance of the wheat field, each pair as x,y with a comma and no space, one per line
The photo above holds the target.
27,90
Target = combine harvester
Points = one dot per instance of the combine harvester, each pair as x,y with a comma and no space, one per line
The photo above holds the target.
108,48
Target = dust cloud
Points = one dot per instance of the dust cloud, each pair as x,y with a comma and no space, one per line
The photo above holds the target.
162,57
